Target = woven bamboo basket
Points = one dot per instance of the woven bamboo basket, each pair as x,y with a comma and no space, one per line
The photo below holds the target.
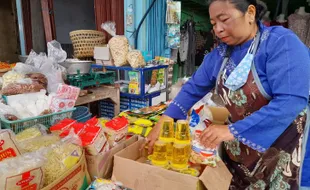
84,42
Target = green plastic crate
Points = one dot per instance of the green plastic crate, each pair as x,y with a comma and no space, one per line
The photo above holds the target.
46,120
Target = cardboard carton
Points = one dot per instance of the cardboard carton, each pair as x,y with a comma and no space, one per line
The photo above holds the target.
130,170
101,165
76,178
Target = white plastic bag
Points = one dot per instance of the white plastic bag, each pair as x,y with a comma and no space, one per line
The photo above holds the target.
23,172
55,51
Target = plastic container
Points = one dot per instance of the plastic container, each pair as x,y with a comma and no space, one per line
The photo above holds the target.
46,120
85,118
80,112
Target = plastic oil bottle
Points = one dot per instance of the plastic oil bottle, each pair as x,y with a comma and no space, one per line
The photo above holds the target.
180,157
182,146
167,136
159,157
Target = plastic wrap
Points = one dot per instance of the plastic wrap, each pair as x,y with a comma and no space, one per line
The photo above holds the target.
8,112
119,45
135,59
61,157
21,88
37,143
102,184
55,51
8,146
32,132
11,77
38,78
23,172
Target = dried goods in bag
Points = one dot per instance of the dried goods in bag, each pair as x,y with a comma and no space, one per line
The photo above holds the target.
37,143
23,172
32,132
8,146
119,50
135,59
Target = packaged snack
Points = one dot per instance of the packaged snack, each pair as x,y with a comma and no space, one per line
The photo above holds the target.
61,157
23,172
20,88
76,127
38,78
134,88
119,47
35,144
62,126
65,98
8,148
11,77
133,76
143,123
93,139
135,59
116,130
32,132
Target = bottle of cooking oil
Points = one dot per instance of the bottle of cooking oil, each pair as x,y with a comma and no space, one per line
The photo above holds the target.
180,157
159,157
167,136
182,134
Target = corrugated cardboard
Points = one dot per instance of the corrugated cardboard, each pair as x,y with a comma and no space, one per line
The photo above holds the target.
141,176
219,114
102,164
76,178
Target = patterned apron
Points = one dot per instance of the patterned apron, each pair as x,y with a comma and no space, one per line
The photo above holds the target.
276,168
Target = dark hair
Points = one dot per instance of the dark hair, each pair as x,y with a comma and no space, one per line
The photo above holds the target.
242,5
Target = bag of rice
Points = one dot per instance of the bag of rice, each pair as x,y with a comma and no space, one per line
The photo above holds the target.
32,132
37,143
61,157
22,173
8,148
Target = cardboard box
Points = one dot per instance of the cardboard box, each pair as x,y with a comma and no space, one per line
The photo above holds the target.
220,114
102,53
102,164
130,170
76,178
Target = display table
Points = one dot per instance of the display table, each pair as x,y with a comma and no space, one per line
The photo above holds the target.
101,93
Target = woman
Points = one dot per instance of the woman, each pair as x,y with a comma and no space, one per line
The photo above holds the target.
262,75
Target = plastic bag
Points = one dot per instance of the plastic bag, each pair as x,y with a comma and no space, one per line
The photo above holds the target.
55,51
8,112
32,132
102,184
61,157
23,172
119,45
11,77
22,88
135,59
8,145
37,143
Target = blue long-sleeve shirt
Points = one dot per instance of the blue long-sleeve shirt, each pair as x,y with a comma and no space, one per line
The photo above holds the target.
282,63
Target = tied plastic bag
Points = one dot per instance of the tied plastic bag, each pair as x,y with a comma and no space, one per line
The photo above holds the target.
119,45
23,172
55,51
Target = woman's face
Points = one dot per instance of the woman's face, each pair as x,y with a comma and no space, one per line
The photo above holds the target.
231,25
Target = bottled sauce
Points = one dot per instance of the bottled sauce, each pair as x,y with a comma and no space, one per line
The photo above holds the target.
159,157
167,136
182,134
180,157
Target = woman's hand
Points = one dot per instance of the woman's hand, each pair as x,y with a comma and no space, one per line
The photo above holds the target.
212,136
154,135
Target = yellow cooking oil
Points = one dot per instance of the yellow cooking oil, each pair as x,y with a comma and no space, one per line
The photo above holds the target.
180,157
167,136
159,157
182,134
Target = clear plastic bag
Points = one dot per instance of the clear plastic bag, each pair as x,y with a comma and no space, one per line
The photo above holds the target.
34,144
22,87
8,112
8,145
119,45
135,59
24,171
61,157
32,132
55,51
11,77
